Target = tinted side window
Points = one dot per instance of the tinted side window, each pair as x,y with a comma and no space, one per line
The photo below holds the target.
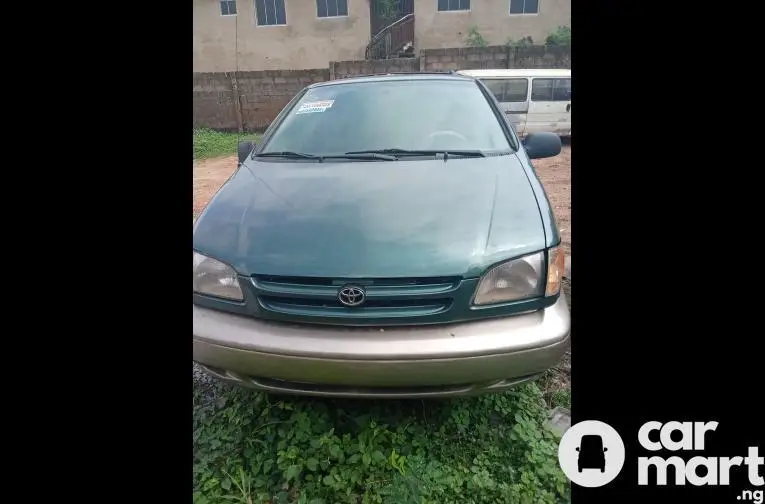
542,90
508,90
497,88
517,90
562,90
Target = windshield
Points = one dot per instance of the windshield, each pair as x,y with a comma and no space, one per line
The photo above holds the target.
592,443
396,114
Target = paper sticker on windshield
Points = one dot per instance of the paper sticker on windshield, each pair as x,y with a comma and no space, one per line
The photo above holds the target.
317,106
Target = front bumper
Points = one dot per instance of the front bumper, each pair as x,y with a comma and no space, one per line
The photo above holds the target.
419,361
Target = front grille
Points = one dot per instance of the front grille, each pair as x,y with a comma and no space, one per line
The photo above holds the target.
385,297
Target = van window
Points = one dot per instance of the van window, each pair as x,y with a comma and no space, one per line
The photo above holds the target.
562,90
508,90
517,90
551,90
497,88
542,90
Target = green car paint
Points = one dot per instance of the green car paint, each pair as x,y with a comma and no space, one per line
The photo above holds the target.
416,233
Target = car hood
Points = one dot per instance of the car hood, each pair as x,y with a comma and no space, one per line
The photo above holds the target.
417,218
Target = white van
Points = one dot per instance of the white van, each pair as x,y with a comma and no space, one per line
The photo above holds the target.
534,100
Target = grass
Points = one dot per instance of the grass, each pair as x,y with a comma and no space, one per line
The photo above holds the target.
253,448
209,143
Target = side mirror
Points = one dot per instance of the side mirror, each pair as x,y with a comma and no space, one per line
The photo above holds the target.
542,145
605,449
244,149
577,448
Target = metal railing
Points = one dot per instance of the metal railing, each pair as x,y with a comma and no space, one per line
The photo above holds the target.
392,39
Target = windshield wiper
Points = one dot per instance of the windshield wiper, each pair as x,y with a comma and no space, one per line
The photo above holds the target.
405,152
349,155
289,154
363,155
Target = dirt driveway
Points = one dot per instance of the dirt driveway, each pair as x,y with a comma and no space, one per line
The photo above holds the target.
209,175
555,174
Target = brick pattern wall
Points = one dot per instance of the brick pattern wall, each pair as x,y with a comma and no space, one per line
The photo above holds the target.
261,95
214,101
343,69
469,58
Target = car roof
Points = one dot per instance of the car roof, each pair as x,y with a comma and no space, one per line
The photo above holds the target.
426,76
516,72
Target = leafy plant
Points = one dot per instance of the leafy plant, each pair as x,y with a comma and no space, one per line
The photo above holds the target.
521,42
561,36
561,397
474,38
253,448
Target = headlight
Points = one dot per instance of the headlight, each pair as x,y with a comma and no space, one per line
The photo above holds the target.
512,280
214,278
556,264
522,278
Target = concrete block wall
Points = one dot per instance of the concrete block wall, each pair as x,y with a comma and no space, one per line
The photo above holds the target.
229,101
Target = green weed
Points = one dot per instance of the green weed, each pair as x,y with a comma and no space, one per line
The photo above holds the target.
251,447
209,143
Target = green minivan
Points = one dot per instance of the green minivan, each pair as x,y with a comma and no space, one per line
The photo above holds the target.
387,237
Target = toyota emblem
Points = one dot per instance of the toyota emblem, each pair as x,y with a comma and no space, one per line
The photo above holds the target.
352,295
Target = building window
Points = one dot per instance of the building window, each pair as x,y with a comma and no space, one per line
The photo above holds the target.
270,12
228,8
331,8
453,5
524,6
